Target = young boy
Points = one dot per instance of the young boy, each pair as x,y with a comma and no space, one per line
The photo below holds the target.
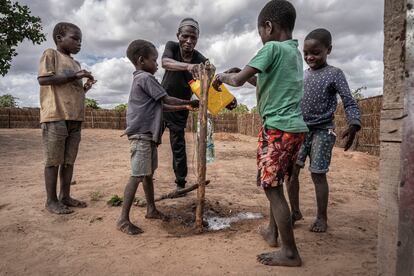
146,104
279,92
322,83
62,97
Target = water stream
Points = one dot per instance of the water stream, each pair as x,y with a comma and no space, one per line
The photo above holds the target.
217,223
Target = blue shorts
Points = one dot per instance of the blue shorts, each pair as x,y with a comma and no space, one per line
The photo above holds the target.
318,146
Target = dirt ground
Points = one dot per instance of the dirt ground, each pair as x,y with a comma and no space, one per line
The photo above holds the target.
35,242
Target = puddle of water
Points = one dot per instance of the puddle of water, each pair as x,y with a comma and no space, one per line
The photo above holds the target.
218,223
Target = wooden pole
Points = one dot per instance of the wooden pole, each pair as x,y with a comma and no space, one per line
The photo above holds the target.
206,73
394,235
173,194
405,244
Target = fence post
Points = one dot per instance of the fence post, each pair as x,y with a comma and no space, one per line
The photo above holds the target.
9,118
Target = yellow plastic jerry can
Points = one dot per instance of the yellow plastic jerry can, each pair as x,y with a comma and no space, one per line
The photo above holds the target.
216,100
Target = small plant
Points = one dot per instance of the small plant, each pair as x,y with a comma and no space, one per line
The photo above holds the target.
357,93
121,107
96,196
115,201
91,103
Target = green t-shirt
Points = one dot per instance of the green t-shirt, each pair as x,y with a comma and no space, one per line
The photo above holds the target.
280,85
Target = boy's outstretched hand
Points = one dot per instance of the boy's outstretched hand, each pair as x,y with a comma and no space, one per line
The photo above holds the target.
194,103
217,79
232,105
190,108
350,132
217,82
233,70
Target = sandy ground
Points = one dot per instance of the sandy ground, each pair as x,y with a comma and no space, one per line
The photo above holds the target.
35,242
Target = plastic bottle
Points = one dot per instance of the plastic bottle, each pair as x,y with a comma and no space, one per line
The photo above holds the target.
210,156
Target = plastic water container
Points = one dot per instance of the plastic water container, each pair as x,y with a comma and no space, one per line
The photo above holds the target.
217,100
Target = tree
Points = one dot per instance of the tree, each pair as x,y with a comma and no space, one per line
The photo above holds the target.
254,109
121,107
91,103
240,109
16,24
357,93
8,100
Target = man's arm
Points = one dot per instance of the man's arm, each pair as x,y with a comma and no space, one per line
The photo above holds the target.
173,65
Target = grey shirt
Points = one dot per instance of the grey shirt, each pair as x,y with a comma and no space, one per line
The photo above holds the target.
319,101
144,114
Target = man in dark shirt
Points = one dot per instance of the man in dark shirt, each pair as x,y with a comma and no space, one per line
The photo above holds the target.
180,61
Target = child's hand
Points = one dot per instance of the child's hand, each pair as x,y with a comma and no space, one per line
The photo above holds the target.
84,74
217,82
350,132
190,108
194,103
232,105
88,84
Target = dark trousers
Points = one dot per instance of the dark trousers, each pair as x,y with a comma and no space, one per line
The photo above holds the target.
177,141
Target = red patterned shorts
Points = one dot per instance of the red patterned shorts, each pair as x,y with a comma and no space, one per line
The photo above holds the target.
276,155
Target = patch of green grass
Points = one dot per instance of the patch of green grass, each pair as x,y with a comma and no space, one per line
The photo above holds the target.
96,195
115,200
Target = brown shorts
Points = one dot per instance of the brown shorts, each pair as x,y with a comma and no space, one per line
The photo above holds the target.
60,141
276,154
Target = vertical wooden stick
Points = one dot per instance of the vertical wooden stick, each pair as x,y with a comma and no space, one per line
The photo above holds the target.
405,244
206,74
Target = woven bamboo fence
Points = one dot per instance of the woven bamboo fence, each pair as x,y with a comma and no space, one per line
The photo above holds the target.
102,118
367,140
19,118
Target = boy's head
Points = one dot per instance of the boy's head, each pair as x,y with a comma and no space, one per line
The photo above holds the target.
187,35
67,37
276,17
317,47
143,55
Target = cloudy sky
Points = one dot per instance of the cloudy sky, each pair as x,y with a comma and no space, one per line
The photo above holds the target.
228,37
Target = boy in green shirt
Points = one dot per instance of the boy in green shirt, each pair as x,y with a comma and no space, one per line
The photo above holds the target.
279,92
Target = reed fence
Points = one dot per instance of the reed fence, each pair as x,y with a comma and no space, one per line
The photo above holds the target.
367,140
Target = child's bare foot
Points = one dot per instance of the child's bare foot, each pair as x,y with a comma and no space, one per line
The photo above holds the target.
319,226
128,227
56,207
156,215
296,215
268,236
279,258
71,202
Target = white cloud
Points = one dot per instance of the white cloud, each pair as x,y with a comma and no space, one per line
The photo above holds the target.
228,37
